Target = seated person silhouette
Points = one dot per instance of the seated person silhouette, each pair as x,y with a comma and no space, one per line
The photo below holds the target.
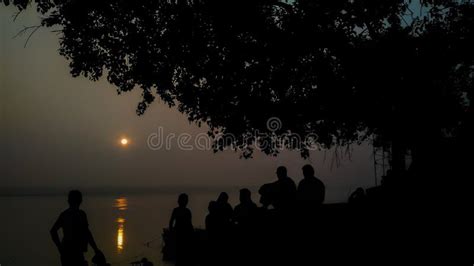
143,262
245,211
245,215
357,197
211,219
99,260
76,233
222,229
181,224
146,262
224,210
284,189
311,190
267,193
181,218
214,234
267,230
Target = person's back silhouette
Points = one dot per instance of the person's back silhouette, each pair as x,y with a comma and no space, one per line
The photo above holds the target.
285,189
266,227
146,262
224,209
181,224
245,211
245,214
76,233
211,219
267,195
181,218
311,191
223,229
214,234
357,197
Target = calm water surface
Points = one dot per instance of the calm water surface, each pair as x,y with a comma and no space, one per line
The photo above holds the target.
126,227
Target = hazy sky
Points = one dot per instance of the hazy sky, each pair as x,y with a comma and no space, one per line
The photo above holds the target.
60,131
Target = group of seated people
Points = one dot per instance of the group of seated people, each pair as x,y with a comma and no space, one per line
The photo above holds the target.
235,234
291,227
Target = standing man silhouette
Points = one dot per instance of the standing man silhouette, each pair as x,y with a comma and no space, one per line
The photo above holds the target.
76,233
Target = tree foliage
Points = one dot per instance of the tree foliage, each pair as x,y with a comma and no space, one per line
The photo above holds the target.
343,69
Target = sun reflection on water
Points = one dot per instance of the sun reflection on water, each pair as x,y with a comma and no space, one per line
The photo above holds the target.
121,204
120,233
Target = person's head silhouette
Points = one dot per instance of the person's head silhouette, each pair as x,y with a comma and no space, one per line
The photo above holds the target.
265,192
99,259
223,197
183,200
388,178
245,195
212,206
308,171
281,172
74,199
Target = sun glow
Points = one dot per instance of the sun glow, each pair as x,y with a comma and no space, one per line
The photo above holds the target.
124,141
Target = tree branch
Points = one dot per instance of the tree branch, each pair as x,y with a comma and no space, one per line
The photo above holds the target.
15,16
24,30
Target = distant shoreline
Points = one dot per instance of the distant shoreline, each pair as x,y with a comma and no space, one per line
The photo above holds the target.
12,192
113,191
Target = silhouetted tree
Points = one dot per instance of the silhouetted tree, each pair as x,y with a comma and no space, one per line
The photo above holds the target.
399,70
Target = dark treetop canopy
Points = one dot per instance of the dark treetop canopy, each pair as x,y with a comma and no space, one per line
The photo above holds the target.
344,70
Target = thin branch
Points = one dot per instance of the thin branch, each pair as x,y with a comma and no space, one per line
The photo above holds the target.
15,16
348,153
363,31
287,7
57,32
31,34
421,8
21,32
370,28
410,11
24,30
403,19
